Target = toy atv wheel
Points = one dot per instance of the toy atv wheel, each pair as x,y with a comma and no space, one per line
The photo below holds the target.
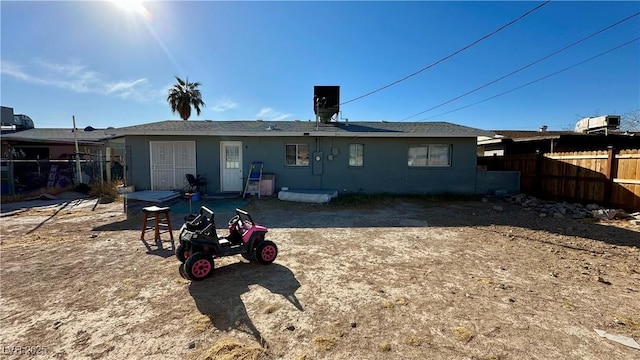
266,252
249,256
182,271
181,254
198,266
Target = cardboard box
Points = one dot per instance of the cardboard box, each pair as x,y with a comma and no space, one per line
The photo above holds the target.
267,185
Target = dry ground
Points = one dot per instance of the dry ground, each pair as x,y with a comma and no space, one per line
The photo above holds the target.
399,279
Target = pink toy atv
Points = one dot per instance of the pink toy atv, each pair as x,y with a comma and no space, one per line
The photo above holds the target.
200,243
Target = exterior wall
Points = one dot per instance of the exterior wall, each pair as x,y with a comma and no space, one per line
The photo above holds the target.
491,149
488,182
139,161
385,163
207,159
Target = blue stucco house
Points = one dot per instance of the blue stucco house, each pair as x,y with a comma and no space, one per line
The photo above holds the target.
367,157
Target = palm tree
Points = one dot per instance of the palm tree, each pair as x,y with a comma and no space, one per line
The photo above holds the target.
184,95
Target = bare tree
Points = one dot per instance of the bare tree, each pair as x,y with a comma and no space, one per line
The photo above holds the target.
630,121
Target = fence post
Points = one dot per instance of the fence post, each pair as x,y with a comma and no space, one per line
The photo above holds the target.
107,160
536,178
101,169
11,174
608,186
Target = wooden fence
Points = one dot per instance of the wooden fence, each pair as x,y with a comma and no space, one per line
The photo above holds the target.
607,177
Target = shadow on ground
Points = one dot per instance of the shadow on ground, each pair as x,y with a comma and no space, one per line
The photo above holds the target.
223,208
219,297
403,212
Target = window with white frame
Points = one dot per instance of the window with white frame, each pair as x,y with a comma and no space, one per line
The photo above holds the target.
356,155
429,155
296,155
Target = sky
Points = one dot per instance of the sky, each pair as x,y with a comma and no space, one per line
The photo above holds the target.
111,65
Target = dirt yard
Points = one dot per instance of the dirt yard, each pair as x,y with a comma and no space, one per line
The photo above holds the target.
400,279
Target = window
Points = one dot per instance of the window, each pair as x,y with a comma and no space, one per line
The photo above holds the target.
231,157
429,155
356,154
418,155
296,155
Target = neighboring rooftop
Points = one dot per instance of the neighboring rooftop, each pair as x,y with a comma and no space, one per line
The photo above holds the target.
518,136
525,135
85,136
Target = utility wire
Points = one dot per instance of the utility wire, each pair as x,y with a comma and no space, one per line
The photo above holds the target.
453,54
539,79
526,66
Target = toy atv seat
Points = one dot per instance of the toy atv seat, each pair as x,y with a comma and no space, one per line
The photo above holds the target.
200,243
202,226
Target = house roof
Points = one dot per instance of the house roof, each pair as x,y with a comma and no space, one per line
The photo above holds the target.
518,135
524,135
59,135
303,128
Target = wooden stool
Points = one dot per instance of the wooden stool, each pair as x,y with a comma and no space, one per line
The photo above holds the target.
156,212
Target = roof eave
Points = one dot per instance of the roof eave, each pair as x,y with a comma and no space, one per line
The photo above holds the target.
59,141
390,134
490,141
551,137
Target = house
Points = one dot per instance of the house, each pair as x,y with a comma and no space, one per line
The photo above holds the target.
517,142
48,143
368,157
44,157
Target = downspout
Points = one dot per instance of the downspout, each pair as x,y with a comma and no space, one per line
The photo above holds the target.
314,161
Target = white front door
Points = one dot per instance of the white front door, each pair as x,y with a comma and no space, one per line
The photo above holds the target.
231,166
170,162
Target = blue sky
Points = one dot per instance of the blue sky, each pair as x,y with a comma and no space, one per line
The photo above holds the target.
260,60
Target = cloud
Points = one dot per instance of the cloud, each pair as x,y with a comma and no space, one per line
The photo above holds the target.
11,69
223,105
79,79
268,113
126,89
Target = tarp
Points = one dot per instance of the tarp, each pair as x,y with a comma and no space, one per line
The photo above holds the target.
308,196
152,195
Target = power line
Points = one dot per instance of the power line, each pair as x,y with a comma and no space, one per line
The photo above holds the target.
526,66
535,81
453,54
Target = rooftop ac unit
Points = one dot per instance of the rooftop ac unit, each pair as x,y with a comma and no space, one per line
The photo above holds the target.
326,102
598,124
